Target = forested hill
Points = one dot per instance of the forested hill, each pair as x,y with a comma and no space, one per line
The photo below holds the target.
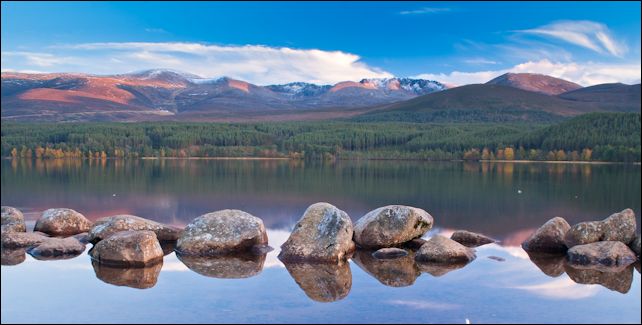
590,137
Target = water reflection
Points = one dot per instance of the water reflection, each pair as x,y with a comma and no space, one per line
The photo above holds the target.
139,278
225,267
324,282
437,269
618,279
398,272
550,264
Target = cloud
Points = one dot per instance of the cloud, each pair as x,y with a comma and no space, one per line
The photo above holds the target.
563,288
480,61
424,10
588,34
585,74
253,63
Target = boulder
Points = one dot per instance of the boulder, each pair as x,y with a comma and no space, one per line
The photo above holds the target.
389,253
440,249
237,266
414,244
601,254
138,278
323,234
616,279
617,227
107,226
128,249
549,238
220,233
471,239
398,272
12,220
322,282
57,248
22,239
82,237
391,225
12,256
635,245
62,222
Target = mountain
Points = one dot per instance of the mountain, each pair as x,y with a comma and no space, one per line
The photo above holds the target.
535,82
619,96
495,103
159,93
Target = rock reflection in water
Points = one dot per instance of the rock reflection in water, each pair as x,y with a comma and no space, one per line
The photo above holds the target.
439,269
54,257
551,264
239,266
167,246
323,282
396,272
13,256
617,279
139,278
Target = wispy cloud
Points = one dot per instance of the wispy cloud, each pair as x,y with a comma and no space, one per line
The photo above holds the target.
253,63
588,34
424,10
480,61
563,288
156,30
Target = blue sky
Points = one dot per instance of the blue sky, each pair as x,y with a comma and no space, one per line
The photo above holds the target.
453,42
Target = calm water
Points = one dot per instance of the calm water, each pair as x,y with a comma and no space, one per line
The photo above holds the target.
478,197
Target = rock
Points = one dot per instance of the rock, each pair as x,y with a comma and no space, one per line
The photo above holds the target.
237,266
550,264
497,258
168,246
22,239
324,282
414,244
471,239
139,278
82,237
637,265
12,256
617,227
128,249
389,253
391,226
57,248
439,269
549,238
323,234
62,222
107,226
601,254
635,245
398,272
440,249
12,220
617,279
220,233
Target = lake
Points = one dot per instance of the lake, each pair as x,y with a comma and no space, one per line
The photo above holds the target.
506,201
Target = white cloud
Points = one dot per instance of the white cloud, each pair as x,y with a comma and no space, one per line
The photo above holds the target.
424,10
585,74
480,61
563,288
253,63
591,35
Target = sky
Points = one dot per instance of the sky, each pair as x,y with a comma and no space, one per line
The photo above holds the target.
327,42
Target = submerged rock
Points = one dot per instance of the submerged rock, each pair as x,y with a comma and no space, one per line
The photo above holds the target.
399,272
220,233
323,234
323,282
391,226
617,227
440,249
549,238
108,226
550,264
12,220
237,266
471,239
635,245
62,222
128,249
497,258
389,253
604,253
57,248
22,239
617,279
12,256
139,278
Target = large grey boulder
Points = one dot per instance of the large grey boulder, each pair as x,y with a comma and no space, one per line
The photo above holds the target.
323,234
22,239
617,227
391,226
440,249
222,232
128,249
549,238
471,239
62,222
12,220
108,226
601,254
57,248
